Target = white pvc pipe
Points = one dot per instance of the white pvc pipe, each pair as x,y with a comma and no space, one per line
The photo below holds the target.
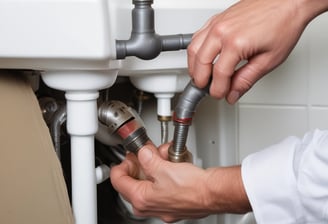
81,89
164,103
82,123
83,180
102,173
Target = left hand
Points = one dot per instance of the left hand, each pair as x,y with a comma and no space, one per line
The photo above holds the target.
174,191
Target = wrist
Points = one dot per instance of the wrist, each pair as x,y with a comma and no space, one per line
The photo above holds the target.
226,192
309,9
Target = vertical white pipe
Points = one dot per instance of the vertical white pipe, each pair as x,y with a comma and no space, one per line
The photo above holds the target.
82,124
164,103
81,89
83,180
164,113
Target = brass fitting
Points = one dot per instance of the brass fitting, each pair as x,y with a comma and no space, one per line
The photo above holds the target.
164,118
180,157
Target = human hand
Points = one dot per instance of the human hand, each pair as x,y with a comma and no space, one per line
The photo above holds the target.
174,191
259,33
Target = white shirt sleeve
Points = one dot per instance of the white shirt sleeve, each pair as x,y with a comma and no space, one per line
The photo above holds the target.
288,182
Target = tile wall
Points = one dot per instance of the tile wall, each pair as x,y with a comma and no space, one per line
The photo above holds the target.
290,100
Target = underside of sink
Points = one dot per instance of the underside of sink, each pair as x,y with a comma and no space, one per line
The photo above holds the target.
81,34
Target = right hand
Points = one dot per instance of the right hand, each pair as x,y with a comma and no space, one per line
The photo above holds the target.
260,32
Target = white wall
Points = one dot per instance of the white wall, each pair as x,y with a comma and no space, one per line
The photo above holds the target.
290,100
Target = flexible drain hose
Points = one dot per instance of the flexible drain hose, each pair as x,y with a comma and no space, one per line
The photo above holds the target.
182,118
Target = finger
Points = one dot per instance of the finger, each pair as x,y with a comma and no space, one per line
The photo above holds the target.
247,76
223,71
197,40
122,181
192,50
204,59
135,170
152,146
163,150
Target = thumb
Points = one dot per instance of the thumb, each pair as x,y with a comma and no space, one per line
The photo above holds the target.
149,159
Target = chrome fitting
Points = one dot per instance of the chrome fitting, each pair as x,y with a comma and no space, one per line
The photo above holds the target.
122,122
136,140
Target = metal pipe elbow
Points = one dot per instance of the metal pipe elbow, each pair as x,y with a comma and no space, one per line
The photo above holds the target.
122,122
188,101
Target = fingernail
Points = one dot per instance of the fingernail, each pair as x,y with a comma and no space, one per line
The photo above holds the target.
233,97
145,155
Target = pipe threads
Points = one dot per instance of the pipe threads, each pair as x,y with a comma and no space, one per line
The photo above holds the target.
142,2
164,131
180,137
136,140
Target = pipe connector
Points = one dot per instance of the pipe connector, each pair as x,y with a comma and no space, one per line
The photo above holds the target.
183,155
114,114
102,173
143,1
122,122
144,42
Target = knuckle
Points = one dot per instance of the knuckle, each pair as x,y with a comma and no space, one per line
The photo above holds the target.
218,94
220,29
245,84
220,71
232,40
139,203
237,43
191,50
201,60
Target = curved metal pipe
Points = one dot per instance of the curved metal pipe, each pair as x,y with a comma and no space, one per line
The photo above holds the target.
123,123
182,117
55,129
164,131
144,43
49,107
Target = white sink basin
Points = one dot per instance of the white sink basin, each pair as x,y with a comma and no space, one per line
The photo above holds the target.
81,34
51,34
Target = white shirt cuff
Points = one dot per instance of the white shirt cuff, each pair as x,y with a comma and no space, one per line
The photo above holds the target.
270,183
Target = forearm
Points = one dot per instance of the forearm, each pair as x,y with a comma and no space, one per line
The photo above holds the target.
226,192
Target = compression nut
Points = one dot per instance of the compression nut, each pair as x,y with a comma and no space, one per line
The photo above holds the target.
180,157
